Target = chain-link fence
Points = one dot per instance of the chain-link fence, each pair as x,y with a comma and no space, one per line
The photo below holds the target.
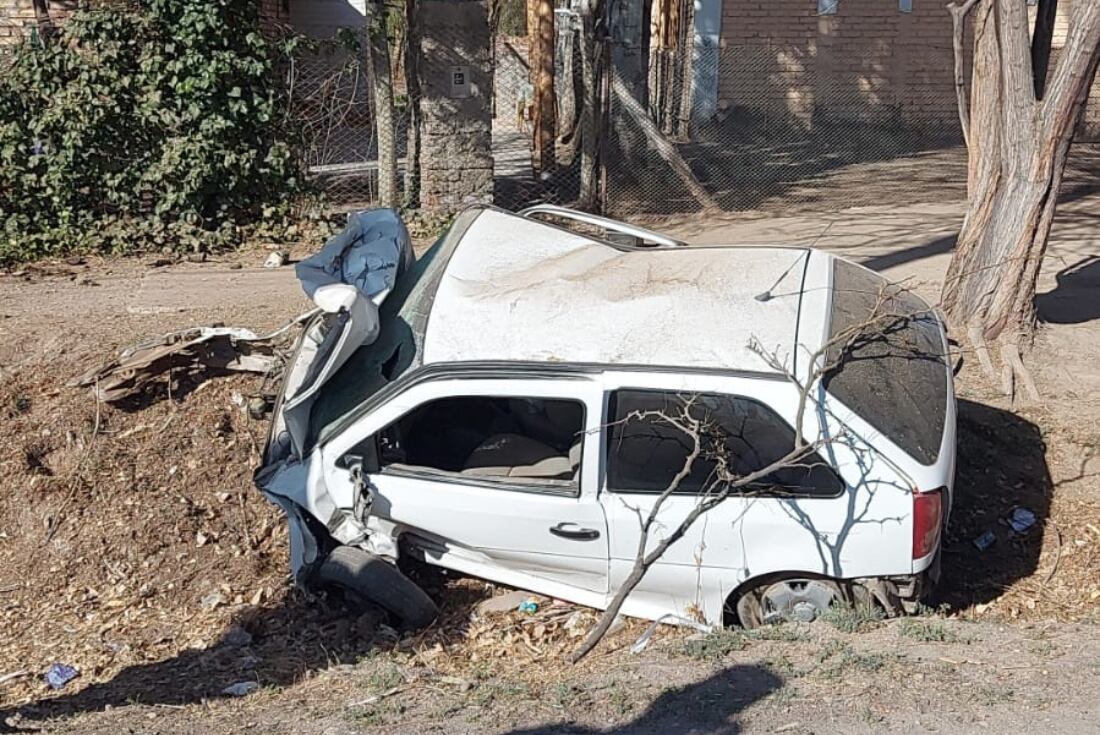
332,100
776,138
745,127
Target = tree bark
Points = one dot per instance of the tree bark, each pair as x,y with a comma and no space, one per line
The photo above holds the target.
565,90
411,195
687,70
958,23
1018,148
545,108
589,145
381,77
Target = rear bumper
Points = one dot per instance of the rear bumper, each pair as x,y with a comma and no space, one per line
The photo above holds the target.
904,594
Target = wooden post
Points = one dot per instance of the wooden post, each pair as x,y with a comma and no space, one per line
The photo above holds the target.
664,148
545,108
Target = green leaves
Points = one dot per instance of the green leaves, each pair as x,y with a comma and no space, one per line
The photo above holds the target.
150,125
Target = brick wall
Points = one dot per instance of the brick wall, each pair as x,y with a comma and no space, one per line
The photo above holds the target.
868,62
17,16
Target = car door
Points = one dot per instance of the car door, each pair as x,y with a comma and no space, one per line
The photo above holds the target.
531,532
646,444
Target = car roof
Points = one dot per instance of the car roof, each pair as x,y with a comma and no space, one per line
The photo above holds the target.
520,289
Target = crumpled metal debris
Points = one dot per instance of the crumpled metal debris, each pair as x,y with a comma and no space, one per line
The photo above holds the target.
643,640
215,348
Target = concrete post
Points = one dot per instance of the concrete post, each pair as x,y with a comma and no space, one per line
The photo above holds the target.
456,76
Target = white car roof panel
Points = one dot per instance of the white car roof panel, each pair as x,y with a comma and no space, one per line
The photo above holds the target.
520,289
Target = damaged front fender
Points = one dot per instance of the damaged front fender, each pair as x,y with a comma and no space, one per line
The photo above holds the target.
297,488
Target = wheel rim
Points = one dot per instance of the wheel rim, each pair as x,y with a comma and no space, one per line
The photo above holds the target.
801,600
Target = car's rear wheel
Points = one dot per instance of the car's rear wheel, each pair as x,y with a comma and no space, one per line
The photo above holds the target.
363,577
796,599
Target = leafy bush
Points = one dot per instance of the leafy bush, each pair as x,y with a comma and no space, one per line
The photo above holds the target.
155,124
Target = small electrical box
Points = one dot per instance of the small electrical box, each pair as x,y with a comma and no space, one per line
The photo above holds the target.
460,81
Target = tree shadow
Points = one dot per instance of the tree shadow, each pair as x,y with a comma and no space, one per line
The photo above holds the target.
1001,465
939,246
303,635
802,125
706,706
283,644
1076,298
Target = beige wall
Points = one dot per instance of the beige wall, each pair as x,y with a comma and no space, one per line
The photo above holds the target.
869,61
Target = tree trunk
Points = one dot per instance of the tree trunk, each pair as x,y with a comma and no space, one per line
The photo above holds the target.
381,77
565,89
589,114
412,87
1018,148
687,70
545,108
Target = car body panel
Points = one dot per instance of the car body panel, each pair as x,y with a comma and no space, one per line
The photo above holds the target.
524,309
533,293
861,533
488,523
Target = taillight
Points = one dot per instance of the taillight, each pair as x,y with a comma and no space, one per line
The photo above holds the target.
927,515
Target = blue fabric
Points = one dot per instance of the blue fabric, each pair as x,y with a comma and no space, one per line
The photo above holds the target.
370,254
58,675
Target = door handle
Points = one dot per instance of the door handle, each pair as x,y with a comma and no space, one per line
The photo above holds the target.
569,530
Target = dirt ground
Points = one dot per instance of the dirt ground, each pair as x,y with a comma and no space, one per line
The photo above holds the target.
134,547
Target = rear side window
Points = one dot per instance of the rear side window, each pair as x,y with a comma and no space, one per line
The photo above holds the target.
893,372
645,448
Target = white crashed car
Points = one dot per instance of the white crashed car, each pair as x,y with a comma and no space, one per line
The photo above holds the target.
501,414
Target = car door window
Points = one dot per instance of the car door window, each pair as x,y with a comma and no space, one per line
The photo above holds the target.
503,440
646,448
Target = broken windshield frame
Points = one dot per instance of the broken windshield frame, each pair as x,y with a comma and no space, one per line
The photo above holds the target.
399,348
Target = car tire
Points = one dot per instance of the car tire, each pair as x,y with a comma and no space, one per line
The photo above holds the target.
754,611
364,576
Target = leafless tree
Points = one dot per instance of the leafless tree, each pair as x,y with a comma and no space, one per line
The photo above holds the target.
1019,123
885,319
590,10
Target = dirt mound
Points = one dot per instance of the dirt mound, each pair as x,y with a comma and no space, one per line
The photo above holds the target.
128,536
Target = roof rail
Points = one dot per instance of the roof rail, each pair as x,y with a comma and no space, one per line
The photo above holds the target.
604,222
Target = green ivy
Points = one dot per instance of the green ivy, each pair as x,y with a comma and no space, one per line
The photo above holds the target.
157,124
